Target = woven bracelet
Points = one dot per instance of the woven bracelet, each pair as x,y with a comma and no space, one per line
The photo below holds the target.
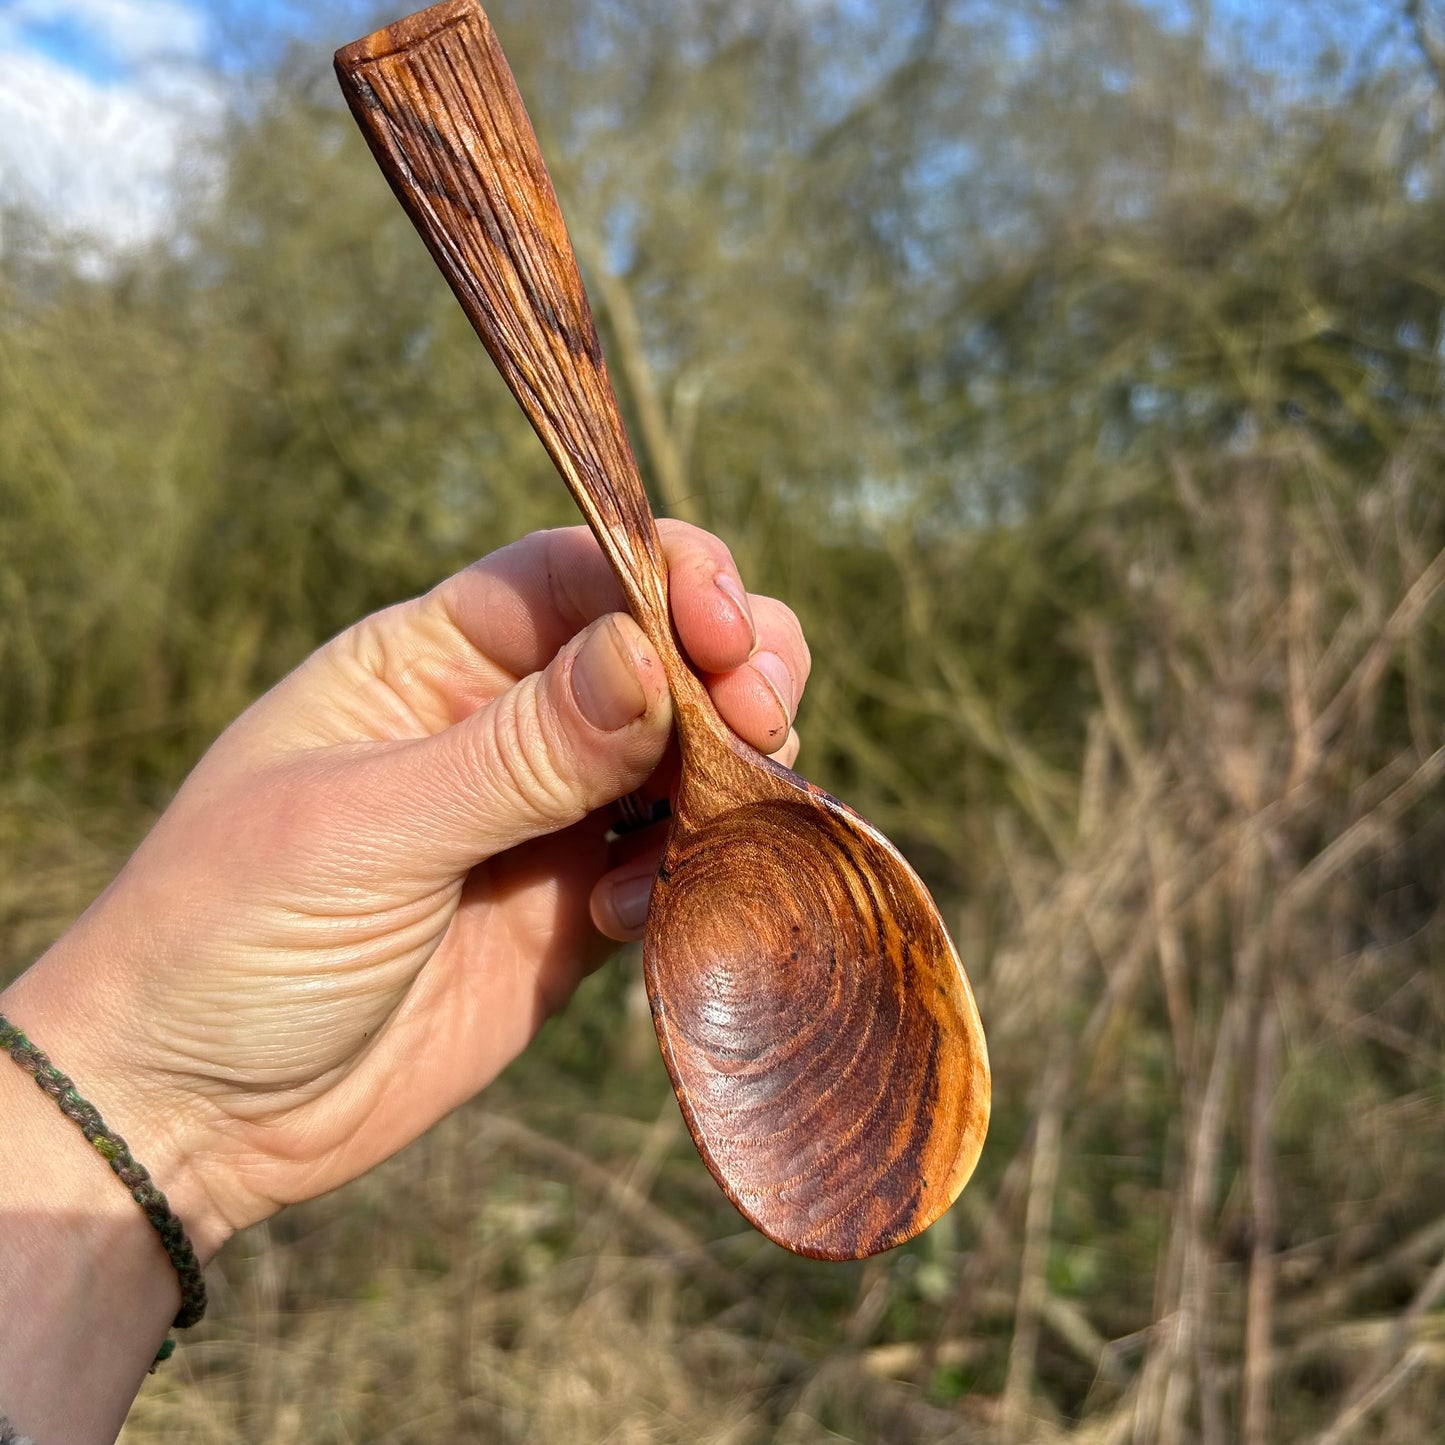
114,1150
8,1435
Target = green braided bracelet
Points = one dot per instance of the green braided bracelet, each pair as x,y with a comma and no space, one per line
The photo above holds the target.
114,1150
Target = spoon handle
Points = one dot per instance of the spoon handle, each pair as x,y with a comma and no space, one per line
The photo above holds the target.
437,103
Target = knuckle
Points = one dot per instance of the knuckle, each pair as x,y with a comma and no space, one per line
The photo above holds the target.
568,554
785,621
685,542
524,753
797,642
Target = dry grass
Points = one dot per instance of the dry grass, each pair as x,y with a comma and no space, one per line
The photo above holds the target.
1210,1209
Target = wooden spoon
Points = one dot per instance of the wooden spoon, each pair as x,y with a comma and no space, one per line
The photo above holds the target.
815,1020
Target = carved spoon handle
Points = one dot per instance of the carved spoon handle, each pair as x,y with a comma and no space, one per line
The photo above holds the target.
436,101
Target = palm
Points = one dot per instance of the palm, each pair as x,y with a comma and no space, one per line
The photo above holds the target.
360,968
416,1001
445,1001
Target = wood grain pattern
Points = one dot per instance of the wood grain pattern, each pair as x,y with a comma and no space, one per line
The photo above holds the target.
815,1020
437,103
837,1083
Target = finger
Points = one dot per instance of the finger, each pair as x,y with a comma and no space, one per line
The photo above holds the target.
661,787
760,699
520,605
621,898
780,631
787,755
552,748
711,609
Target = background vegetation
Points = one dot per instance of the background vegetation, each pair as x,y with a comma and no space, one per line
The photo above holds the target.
1079,381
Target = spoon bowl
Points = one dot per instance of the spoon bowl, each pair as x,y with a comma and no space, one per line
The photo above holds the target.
814,1018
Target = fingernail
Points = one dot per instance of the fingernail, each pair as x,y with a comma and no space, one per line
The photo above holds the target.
605,684
774,671
630,897
732,589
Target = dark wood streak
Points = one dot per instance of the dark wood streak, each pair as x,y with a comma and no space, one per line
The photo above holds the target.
815,1020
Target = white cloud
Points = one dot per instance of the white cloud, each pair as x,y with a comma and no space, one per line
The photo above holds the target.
99,158
131,30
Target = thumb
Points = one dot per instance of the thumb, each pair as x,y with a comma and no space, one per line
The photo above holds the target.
556,745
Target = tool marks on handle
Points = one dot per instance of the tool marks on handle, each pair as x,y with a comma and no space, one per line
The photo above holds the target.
437,103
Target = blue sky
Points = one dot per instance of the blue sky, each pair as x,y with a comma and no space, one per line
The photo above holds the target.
1290,36
100,100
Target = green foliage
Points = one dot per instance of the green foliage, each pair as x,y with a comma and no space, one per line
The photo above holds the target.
1081,392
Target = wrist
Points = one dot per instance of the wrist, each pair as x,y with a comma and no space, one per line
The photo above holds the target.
87,1293
74,1010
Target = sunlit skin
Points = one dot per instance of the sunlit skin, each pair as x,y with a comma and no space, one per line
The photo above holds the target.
363,903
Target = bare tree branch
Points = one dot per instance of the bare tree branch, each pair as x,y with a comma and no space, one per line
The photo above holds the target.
1259,1323
1431,46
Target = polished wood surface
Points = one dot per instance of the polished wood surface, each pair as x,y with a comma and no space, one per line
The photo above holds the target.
815,1020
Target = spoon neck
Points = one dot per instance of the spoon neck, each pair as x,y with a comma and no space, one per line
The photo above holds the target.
720,772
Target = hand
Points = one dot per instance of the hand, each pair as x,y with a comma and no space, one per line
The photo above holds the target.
387,873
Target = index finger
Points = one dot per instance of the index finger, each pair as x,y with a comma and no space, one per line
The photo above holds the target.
519,606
